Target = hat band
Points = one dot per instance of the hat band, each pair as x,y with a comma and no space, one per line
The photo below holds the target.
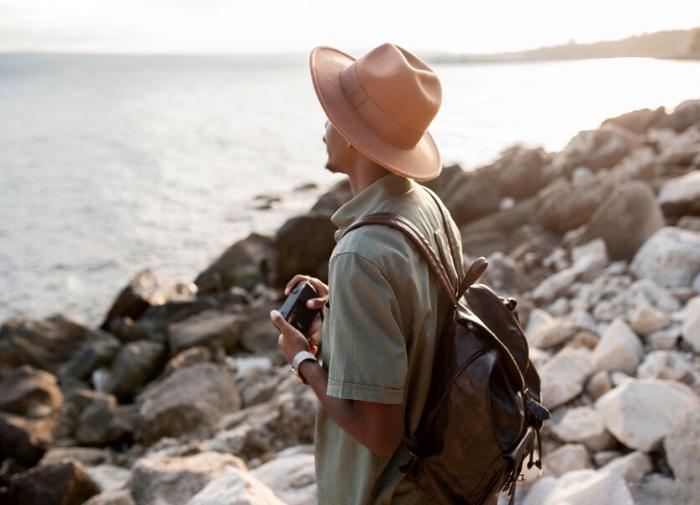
379,121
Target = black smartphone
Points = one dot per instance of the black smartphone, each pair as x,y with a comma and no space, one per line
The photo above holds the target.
294,309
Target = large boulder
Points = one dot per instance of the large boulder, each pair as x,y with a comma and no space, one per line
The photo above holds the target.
681,196
192,398
25,440
671,258
41,343
242,264
144,291
62,483
158,480
519,171
685,115
211,328
625,219
30,392
641,412
638,121
235,487
135,364
476,194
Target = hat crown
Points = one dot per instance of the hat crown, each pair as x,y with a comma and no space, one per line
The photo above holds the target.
401,85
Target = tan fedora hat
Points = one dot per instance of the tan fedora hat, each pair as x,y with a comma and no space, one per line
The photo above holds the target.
382,103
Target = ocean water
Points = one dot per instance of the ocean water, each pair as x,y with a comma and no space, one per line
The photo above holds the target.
113,164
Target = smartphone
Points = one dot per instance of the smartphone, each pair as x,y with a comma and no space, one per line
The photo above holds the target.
294,309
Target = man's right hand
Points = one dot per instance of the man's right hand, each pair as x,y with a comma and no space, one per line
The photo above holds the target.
321,288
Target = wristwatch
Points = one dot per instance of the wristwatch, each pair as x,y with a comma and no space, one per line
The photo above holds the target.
300,357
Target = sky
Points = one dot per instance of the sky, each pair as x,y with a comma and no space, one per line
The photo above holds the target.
296,26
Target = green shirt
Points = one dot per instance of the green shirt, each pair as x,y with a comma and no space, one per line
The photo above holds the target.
378,337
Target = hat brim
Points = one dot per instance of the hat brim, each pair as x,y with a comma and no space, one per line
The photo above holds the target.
422,162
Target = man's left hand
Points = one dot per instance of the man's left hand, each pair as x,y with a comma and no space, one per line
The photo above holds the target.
290,340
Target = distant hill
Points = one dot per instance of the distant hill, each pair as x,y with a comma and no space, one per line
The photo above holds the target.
676,44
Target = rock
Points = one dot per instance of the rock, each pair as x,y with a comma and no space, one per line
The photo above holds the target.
112,498
88,456
638,121
671,258
504,275
97,351
174,480
681,196
104,422
552,333
563,376
685,115
665,339
618,349
23,439
566,206
144,290
188,357
211,328
682,447
30,393
581,487
519,171
291,476
646,319
41,343
191,398
671,365
625,219
584,425
599,384
640,412
302,245
632,467
602,458
258,336
691,323
235,487
135,364
554,285
63,483
109,477
341,192
567,458
590,259
656,489
476,194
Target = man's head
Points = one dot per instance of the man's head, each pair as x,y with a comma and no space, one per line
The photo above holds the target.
338,149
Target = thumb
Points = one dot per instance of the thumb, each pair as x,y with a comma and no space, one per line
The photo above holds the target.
279,321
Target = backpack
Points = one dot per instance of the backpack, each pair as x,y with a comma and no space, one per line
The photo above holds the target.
484,409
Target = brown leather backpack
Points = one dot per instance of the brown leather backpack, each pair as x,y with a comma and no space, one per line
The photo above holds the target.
483,413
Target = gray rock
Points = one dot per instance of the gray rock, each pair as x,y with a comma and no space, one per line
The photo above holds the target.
30,392
671,258
62,483
211,328
665,339
641,412
672,365
656,489
291,476
109,477
25,440
135,364
104,421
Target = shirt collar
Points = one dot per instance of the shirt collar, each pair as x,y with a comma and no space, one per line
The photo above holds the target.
368,199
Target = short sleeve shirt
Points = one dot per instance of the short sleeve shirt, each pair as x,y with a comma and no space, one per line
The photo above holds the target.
384,313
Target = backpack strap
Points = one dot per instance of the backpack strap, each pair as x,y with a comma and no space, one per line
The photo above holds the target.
451,239
409,229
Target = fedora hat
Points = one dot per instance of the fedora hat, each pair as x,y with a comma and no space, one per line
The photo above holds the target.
382,103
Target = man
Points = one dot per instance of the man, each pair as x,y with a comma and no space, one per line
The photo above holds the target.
385,309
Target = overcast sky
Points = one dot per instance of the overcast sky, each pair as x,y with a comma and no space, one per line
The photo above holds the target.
252,26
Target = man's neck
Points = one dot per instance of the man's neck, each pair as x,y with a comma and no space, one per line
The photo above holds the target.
364,174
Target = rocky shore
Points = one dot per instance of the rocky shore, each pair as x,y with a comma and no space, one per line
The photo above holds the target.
180,396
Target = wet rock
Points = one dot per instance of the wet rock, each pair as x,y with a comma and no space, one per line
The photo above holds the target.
567,458
174,480
135,364
211,328
641,412
30,393
235,487
63,483
631,467
291,475
625,219
580,487
671,258
564,375
618,349
681,196
144,290
23,439
584,425
191,398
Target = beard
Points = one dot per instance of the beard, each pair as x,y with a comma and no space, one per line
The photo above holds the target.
329,167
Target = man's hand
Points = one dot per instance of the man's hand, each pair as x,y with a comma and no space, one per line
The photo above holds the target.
290,340
314,335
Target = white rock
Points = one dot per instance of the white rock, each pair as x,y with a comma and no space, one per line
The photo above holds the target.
291,477
564,374
665,339
655,489
235,487
647,291
618,349
671,365
691,323
599,384
645,319
109,477
681,195
538,318
682,447
584,425
581,487
602,458
551,333
590,259
631,467
640,412
671,257
567,458
696,283
554,285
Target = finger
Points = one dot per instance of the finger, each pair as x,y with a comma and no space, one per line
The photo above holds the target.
316,303
290,285
319,286
279,321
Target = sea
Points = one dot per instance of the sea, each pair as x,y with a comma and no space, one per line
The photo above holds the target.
112,164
